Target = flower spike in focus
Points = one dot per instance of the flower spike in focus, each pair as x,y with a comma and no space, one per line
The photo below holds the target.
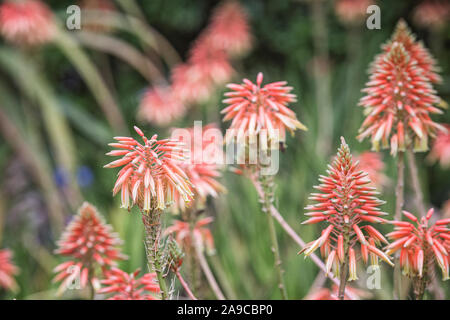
150,175
253,107
349,207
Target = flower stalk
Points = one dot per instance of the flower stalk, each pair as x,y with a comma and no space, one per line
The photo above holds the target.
267,185
154,251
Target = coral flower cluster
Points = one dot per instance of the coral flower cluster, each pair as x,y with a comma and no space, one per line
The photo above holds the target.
400,98
421,244
126,286
202,236
348,206
254,108
332,294
91,244
372,163
229,29
204,161
26,22
160,106
208,65
441,148
432,14
150,175
7,271
352,12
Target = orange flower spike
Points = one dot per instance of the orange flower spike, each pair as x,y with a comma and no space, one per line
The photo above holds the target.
128,286
424,244
27,22
346,203
91,244
253,107
7,271
151,175
399,96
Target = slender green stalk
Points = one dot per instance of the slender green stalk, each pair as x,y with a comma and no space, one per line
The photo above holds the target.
185,285
399,194
291,232
208,274
155,254
344,265
322,77
415,181
267,185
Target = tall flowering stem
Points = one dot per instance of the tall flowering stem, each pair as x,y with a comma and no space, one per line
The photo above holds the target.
156,256
398,104
421,245
346,204
261,114
267,185
152,180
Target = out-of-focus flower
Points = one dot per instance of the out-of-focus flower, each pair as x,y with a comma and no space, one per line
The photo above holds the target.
211,61
200,232
91,244
398,103
332,294
372,163
97,9
7,271
229,29
128,286
352,12
253,108
347,204
432,14
194,81
203,164
161,106
150,173
416,50
26,22
441,148
421,245
190,84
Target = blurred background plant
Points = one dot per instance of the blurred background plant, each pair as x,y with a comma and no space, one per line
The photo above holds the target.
160,64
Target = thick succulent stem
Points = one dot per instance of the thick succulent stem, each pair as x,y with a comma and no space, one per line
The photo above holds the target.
155,256
267,185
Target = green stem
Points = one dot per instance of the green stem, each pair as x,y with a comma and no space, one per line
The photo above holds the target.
152,224
414,172
267,184
399,194
344,266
